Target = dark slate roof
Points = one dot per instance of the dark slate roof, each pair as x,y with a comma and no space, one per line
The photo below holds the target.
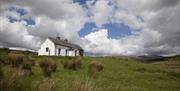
63,43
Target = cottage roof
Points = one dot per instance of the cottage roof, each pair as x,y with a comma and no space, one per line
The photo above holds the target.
64,43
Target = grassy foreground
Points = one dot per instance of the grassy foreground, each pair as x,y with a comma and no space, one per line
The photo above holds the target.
119,74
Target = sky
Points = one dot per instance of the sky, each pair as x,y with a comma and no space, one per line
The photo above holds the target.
100,27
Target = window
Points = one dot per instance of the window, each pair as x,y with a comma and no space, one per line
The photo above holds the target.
47,49
75,52
59,51
66,52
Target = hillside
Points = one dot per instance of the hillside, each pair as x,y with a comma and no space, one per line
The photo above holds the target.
119,74
5,51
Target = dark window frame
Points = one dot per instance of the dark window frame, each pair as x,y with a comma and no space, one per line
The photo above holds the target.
59,51
47,49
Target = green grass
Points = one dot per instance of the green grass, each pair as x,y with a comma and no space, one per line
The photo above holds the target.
119,74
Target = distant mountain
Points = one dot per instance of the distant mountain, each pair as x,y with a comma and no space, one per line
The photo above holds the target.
5,51
153,58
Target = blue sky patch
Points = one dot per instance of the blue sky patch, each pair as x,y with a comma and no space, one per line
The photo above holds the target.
88,28
114,30
18,10
117,30
79,1
22,12
12,19
30,21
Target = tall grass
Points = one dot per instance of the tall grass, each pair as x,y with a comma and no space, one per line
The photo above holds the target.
86,85
48,66
12,81
1,72
72,64
117,75
15,59
95,67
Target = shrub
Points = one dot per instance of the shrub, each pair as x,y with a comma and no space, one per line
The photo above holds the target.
95,67
48,66
15,59
73,64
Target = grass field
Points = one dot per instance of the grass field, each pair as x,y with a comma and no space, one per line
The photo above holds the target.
119,74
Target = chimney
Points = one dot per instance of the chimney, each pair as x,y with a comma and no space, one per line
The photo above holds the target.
58,38
65,40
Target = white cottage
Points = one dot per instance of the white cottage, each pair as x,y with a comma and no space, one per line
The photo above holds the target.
58,47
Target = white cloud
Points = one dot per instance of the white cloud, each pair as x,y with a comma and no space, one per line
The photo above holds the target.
157,23
55,17
129,19
101,12
16,35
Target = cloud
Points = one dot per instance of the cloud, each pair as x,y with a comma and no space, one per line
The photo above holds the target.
101,11
52,18
154,25
16,35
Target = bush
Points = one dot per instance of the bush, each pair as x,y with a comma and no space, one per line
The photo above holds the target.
15,59
95,67
74,64
48,66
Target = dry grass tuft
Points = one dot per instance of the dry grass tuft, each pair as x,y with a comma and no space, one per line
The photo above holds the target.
15,59
73,64
24,63
26,67
95,67
48,66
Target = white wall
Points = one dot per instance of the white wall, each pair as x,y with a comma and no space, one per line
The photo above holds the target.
48,43
53,49
63,50
72,53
